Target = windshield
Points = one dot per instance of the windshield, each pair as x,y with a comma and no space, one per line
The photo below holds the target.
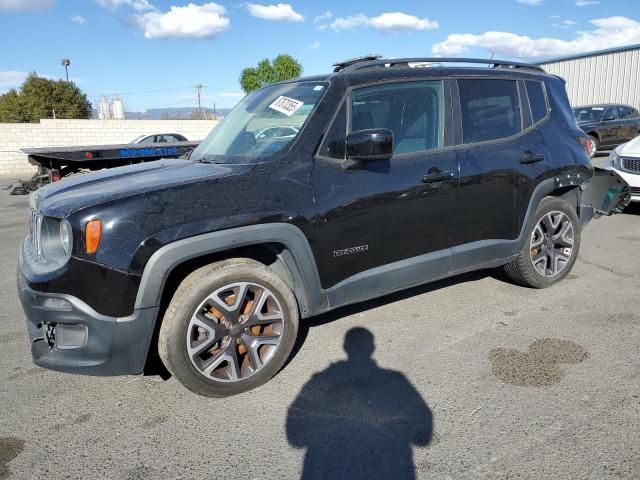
588,114
262,124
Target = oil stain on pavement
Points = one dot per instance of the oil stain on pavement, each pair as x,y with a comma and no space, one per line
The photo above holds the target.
10,448
540,365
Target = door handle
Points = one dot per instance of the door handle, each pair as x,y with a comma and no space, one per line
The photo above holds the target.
437,177
530,157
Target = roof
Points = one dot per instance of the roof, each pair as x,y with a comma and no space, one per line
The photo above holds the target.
595,53
363,70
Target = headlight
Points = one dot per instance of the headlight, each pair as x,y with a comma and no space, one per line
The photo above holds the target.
65,236
615,160
50,242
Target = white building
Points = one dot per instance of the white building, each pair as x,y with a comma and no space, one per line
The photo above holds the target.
111,109
605,76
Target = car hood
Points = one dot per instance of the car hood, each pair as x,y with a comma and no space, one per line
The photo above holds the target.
630,149
62,198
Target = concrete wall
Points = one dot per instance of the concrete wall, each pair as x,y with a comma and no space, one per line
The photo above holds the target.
601,78
60,133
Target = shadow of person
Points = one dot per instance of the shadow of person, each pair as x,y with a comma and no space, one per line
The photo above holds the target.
357,420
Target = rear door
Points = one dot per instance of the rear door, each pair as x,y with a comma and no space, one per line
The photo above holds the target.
609,129
385,211
630,123
490,121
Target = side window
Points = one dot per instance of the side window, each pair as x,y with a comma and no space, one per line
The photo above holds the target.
147,140
610,114
413,111
537,100
490,109
627,113
334,145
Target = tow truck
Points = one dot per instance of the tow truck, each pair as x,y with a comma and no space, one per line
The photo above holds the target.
56,163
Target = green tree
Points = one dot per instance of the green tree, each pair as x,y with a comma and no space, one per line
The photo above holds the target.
283,67
40,97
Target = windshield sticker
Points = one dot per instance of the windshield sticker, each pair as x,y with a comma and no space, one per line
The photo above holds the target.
317,88
286,105
597,108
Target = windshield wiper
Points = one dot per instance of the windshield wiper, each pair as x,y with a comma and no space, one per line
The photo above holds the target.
206,159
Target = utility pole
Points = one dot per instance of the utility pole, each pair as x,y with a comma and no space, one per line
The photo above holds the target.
65,63
199,87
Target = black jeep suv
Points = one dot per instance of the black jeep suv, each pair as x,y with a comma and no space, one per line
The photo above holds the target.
394,173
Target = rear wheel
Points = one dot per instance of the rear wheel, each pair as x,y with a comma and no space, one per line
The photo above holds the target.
229,328
552,246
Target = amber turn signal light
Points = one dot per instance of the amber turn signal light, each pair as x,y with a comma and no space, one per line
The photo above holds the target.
92,235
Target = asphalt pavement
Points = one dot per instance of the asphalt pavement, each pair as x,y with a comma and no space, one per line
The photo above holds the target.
467,378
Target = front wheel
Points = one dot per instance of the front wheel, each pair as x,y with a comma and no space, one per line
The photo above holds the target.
229,328
551,248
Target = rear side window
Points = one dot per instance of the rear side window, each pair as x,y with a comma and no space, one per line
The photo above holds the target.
628,112
490,109
334,145
537,100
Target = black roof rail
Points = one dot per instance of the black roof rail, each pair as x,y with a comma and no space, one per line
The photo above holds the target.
366,62
352,61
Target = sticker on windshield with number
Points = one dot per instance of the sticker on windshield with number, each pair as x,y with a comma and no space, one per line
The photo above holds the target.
286,105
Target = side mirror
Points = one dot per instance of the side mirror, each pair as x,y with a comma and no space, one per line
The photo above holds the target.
608,118
368,145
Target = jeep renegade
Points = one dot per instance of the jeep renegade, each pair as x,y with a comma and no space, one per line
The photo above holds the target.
380,176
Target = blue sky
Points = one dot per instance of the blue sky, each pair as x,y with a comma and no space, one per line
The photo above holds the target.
153,51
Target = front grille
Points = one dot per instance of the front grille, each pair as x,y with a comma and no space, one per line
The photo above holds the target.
631,165
35,230
635,191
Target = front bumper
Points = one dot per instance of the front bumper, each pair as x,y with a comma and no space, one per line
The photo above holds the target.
68,335
633,179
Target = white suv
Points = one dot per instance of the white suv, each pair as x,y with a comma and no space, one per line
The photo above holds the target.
625,160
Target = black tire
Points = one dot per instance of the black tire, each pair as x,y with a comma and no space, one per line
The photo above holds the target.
196,288
596,144
521,270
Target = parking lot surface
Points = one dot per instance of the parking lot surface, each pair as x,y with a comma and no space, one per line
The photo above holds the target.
470,378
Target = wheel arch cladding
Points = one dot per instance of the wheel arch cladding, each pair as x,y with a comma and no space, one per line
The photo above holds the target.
283,247
570,194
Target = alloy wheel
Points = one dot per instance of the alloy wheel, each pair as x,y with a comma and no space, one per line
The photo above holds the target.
551,244
235,332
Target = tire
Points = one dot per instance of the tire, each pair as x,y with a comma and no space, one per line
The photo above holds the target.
595,147
541,254
251,342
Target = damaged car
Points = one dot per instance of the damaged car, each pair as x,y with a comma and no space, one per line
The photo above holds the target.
392,173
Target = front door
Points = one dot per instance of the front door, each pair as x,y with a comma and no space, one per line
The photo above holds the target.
377,213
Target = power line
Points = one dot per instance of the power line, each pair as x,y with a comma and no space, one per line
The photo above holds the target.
142,92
